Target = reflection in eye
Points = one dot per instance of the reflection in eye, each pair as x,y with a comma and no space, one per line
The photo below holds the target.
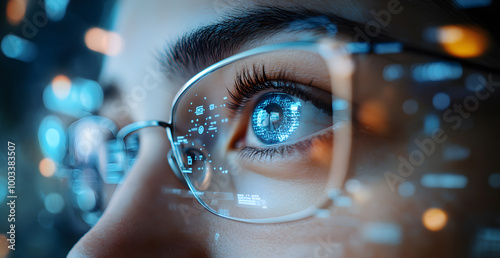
285,117
275,118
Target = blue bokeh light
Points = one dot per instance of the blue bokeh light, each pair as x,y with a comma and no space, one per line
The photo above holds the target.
54,203
431,122
358,47
52,138
86,199
91,95
452,181
475,82
382,233
84,97
406,189
437,71
3,189
17,48
387,48
56,9
441,101
494,180
393,72
455,152
472,3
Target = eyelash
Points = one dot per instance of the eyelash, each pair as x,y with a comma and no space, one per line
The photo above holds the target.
248,84
252,153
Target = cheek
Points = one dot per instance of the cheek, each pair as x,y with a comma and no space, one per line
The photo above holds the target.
311,237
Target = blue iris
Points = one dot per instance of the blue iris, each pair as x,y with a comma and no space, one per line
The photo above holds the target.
275,117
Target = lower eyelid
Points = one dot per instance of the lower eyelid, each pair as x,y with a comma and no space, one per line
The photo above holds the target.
300,146
294,163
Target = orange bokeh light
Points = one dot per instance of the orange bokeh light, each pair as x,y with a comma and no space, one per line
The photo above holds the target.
4,246
61,85
102,41
434,219
16,9
373,114
462,41
47,167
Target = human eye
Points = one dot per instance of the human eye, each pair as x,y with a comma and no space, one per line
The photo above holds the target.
281,114
257,125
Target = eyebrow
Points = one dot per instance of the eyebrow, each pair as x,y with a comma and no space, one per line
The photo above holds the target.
197,50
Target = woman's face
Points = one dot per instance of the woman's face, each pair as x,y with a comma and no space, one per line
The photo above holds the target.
142,219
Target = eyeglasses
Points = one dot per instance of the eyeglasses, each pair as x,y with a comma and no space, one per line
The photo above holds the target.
270,134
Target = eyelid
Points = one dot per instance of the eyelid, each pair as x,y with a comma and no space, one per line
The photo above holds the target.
302,145
248,84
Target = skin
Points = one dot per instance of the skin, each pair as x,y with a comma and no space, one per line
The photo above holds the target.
140,220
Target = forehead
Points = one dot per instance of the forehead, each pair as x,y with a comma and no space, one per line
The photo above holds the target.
147,27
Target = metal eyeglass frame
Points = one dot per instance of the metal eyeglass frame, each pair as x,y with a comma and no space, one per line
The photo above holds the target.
174,152
350,48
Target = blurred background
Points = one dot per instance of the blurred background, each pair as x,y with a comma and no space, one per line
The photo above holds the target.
50,60
51,56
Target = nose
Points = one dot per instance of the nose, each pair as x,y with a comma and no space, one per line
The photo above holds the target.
142,219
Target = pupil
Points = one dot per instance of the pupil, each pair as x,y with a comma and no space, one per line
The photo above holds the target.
275,117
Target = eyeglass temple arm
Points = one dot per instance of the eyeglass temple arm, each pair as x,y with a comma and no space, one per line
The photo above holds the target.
139,125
